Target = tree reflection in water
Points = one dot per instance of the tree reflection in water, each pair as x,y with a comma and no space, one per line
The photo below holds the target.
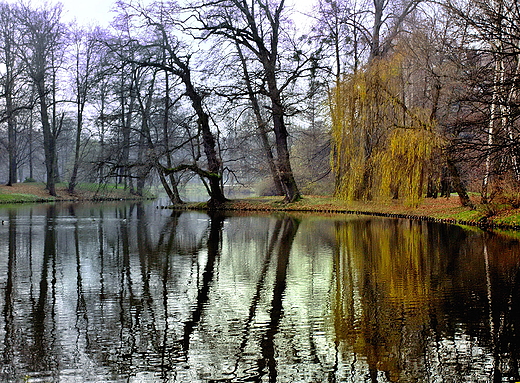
419,301
125,292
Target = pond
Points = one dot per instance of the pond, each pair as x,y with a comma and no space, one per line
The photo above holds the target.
121,292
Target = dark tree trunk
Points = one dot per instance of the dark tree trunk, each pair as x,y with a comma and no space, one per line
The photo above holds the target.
8,42
42,34
171,188
291,191
74,176
457,184
11,142
262,37
208,140
49,141
261,126
375,48
11,122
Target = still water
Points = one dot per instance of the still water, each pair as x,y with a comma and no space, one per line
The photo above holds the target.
131,293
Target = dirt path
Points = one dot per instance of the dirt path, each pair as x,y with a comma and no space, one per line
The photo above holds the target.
37,189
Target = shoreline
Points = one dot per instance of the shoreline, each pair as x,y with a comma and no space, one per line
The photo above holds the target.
431,210
442,210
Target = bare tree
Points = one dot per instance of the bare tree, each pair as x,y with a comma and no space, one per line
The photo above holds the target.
170,187
489,106
12,82
262,124
40,48
85,49
162,50
389,17
258,27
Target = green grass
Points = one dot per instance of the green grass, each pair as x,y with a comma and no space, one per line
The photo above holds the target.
83,191
461,214
19,198
513,220
92,186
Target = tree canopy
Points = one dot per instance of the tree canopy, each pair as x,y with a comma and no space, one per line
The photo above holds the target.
400,99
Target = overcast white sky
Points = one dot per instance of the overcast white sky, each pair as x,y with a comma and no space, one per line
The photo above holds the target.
99,11
88,11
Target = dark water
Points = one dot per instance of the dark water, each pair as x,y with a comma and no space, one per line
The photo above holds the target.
130,293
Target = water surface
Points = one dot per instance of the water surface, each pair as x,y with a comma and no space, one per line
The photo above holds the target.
131,293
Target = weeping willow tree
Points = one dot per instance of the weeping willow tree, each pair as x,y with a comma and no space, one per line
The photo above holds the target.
382,147
404,163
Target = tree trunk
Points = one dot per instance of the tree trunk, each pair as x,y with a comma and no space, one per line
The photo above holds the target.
266,50
291,191
11,139
77,148
171,188
145,146
49,141
491,131
126,125
31,162
375,49
172,191
144,163
261,125
6,33
269,60
457,184
214,164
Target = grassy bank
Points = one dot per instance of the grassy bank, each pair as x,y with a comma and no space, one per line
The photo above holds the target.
36,192
435,209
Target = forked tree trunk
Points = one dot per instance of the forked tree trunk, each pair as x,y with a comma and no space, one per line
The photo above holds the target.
458,185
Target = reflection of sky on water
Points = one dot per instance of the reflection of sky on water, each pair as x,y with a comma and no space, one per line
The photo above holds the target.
120,292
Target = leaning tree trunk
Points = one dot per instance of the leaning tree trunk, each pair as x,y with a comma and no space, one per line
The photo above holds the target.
458,185
208,140
171,188
261,125
269,60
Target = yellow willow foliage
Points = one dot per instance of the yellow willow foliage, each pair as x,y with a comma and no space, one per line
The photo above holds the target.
381,146
348,160
404,162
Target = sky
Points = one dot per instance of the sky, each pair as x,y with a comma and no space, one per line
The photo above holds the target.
88,11
99,12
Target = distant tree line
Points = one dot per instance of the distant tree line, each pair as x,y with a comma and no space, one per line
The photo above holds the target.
379,99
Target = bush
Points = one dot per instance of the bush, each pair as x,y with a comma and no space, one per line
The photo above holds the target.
29,179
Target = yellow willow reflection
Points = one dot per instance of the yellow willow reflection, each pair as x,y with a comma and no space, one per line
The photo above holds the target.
381,292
